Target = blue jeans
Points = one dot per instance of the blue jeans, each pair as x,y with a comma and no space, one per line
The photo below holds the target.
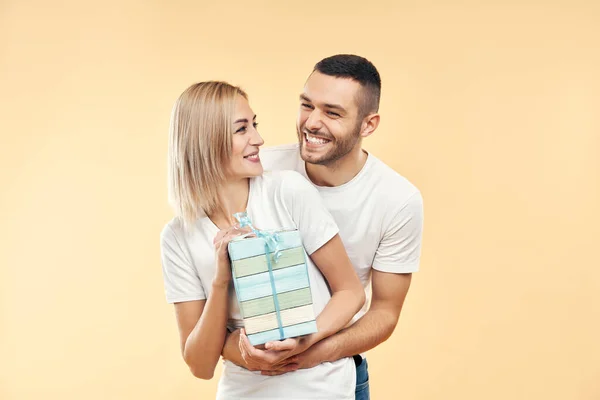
362,379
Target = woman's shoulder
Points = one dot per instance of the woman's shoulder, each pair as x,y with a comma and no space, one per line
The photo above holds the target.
171,228
175,231
172,234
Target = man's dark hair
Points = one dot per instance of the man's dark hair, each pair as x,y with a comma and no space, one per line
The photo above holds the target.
360,70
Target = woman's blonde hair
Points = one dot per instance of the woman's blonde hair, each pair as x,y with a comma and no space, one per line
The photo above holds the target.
200,147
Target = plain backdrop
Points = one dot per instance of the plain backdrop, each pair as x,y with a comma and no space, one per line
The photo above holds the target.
492,108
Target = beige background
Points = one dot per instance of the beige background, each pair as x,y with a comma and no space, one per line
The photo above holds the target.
491,108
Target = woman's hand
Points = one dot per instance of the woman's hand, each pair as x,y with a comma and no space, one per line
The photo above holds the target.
273,355
293,346
223,264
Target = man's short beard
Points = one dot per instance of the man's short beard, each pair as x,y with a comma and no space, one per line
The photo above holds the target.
341,148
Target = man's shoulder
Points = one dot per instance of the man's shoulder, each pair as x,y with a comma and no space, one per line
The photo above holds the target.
282,157
390,184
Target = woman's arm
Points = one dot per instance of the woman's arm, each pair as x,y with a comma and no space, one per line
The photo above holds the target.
348,295
203,323
202,328
347,298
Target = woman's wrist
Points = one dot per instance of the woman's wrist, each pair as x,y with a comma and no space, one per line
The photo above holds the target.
310,340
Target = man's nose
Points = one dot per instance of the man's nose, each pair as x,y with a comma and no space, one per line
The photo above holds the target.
314,122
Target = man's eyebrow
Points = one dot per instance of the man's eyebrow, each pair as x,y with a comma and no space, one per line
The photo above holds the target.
335,107
303,97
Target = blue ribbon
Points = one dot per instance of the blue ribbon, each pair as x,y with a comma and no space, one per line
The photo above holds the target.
271,238
271,246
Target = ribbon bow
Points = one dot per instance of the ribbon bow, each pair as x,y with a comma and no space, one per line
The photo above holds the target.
271,238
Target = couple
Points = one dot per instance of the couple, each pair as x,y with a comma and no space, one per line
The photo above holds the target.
360,223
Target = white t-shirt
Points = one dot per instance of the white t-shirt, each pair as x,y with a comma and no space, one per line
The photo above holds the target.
277,200
379,214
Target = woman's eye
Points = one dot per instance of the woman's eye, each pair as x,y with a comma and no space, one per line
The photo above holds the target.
255,124
241,130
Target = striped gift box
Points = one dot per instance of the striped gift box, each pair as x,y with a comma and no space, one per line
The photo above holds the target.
273,294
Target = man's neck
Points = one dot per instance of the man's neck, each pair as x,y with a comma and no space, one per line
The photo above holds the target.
233,198
339,172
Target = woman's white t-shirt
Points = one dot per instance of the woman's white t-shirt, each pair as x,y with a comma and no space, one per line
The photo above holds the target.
277,200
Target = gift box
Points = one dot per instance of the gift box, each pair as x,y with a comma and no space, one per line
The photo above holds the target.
272,286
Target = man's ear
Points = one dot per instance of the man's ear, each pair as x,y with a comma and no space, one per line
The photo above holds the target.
369,124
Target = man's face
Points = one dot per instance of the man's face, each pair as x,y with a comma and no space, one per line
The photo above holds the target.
328,120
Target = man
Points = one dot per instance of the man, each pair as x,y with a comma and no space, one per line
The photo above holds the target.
379,213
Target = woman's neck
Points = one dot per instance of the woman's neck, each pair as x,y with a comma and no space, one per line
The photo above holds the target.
233,198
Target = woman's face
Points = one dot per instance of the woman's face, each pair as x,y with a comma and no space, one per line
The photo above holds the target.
244,162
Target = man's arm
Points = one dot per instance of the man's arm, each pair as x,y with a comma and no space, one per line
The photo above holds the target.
378,323
375,327
397,257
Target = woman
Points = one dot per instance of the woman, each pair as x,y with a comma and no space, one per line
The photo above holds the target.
215,172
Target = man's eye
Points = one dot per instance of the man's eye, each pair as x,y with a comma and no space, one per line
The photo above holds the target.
333,114
306,105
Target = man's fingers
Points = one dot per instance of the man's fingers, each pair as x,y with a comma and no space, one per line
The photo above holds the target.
283,370
284,362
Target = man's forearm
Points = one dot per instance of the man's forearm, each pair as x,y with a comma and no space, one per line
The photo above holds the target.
375,327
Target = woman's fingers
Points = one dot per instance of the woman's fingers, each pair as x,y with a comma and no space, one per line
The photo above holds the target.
248,351
262,360
287,344
232,231
221,234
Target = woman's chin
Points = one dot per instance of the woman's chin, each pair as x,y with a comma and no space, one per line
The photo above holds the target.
254,172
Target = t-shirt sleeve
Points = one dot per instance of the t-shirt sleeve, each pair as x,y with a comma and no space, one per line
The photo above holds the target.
181,280
400,249
303,201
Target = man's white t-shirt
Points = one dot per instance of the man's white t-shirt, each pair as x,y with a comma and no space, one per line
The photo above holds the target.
379,214
277,200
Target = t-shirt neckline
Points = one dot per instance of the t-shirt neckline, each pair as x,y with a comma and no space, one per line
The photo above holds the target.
343,186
